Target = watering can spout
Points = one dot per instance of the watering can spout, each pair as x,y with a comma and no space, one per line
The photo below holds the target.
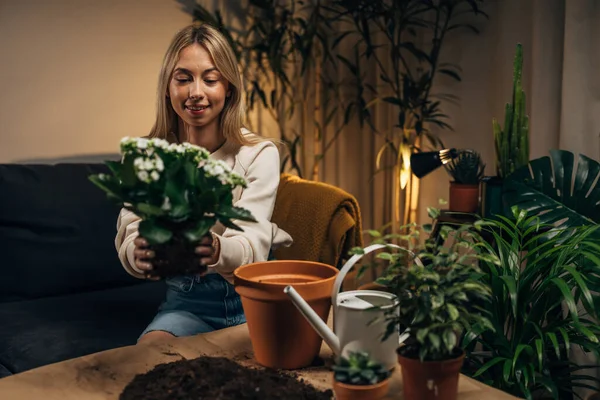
315,321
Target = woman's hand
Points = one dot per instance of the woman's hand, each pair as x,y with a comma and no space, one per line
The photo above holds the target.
208,250
143,257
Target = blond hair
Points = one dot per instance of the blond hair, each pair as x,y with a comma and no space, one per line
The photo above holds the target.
232,116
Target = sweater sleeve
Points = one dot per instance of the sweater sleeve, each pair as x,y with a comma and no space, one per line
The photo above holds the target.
127,231
261,166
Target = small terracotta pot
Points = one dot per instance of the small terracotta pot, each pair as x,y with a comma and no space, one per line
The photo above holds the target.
464,198
281,337
343,391
430,380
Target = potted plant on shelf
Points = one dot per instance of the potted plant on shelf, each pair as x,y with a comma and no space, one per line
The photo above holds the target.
358,377
511,143
440,299
466,171
179,193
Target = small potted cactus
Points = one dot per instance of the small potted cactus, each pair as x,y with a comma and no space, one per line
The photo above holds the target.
466,171
359,377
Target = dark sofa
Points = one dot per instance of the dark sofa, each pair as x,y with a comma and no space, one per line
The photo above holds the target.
63,291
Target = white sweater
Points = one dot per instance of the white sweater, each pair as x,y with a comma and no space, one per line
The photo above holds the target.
259,164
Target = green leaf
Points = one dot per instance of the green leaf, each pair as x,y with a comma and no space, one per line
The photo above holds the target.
450,340
231,225
520,348
422,334
506,371
568,297
539,347
201,229
154,233
450,73
235,213
128,172
149,209
115,167
587,296
452,311
565,337
488,365
552,200
554,341
511,286
108,187
435,340
374,233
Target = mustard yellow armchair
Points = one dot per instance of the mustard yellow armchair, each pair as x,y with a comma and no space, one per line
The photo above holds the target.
323,220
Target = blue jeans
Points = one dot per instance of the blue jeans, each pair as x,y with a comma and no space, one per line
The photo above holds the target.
197,304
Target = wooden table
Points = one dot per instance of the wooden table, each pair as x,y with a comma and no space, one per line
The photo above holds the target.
102,376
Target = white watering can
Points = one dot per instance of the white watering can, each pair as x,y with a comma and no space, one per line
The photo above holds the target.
359,317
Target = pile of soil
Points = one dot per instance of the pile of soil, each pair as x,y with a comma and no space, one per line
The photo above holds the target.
220,379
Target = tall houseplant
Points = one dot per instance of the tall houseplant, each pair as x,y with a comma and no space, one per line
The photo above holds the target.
543,274
402,41
283,49
511,142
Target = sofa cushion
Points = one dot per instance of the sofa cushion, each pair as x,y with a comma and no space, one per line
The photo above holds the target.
4,372
57,232
43,331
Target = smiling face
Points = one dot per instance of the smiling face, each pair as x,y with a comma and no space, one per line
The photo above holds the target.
197,90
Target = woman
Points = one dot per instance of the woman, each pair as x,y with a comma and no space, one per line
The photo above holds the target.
200,102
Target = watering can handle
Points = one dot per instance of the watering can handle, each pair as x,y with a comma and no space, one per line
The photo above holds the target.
350,263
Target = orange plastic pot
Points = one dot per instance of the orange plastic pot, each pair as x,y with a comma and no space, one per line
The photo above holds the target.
281,337
464,198
344,391
430,380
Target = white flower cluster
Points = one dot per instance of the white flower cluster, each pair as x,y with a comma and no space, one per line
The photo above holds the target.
148,169
220,170
148,165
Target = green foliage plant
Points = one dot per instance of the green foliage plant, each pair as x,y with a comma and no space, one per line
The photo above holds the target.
467,168
359,369
543,304
512,141
439,286
386,37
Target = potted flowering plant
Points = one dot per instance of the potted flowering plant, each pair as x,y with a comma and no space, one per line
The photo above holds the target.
359,377
179,193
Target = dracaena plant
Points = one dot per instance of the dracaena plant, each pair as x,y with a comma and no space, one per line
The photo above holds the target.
359,369
177,190
544,303
439,286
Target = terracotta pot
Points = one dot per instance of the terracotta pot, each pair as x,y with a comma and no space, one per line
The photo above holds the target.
343,391
430,380
281,337
464,198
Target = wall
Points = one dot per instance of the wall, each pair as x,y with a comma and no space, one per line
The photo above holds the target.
77,75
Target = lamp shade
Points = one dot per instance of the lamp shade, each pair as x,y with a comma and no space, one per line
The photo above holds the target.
425,162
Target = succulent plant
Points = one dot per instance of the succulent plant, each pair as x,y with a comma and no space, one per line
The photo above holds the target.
512,142
359,369
467,168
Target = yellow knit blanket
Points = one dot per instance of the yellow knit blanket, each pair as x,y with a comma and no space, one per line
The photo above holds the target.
323,220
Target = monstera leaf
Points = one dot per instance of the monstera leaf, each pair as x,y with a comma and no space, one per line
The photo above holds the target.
548,188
